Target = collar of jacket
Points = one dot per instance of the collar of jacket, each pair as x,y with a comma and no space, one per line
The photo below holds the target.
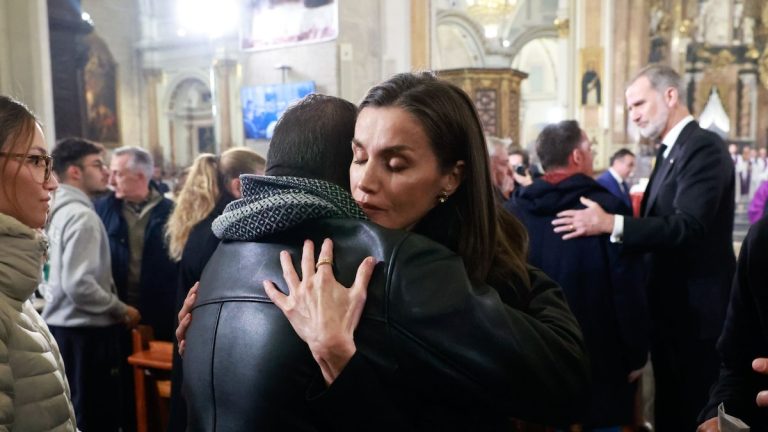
272,204
22,251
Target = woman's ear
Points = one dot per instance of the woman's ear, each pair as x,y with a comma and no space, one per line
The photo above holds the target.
234,188
453,179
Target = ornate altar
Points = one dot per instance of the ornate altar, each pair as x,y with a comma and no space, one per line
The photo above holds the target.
722,45
496,93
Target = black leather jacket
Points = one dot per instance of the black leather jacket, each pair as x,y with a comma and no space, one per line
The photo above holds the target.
441,353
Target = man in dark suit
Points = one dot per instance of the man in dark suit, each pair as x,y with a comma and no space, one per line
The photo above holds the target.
686,228
615,178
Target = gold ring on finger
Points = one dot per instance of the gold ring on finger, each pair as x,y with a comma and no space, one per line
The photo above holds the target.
323,261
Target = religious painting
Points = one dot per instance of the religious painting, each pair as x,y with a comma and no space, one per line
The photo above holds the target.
264,105
100,86
591,68
269,24
205,140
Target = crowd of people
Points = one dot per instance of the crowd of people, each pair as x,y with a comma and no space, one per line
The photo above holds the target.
385,268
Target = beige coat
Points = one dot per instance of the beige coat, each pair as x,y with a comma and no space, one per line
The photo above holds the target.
34,394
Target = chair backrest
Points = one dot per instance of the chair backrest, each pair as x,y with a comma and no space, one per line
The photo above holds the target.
141,335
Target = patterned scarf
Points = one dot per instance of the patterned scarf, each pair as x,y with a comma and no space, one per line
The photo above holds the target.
274,204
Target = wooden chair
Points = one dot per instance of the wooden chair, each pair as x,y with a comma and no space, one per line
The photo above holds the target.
151,361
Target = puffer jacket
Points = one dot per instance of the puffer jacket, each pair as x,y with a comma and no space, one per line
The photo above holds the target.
435,352
34,394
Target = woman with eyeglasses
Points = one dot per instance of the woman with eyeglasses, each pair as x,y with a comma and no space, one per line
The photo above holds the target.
34,394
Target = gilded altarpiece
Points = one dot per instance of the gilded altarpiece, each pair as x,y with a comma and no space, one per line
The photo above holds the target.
496,94
722,47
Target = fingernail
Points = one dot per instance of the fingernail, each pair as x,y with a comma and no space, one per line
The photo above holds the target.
370,260
758,365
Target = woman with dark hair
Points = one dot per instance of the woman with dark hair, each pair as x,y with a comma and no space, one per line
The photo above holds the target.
436,348
34,395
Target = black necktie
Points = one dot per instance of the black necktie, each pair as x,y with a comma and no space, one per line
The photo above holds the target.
652,183
659,159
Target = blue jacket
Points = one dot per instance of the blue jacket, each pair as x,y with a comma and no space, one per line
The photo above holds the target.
607,181
604,287
158,278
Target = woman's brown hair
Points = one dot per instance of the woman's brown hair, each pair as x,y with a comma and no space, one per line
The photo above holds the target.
17,125
492,242
203,188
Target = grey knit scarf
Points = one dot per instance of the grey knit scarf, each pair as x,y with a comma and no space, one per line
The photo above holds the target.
273,204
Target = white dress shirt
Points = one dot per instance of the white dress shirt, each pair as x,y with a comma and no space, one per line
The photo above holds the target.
669,140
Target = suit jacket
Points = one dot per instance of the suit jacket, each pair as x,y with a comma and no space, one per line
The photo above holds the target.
745,336
609,182
687,226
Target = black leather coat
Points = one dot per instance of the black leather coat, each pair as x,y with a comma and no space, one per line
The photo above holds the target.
443,355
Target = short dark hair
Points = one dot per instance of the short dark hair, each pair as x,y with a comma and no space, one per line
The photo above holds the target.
556,142
620,154
313,139
71,151
523,154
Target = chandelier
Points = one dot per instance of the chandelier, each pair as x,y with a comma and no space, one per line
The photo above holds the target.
491,13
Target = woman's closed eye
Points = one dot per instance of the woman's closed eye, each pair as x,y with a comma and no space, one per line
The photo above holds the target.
396,165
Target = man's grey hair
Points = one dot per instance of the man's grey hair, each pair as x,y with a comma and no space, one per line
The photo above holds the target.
140,161
663,77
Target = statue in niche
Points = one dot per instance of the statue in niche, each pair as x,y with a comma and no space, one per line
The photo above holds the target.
659,20
738,30
590,86
713,29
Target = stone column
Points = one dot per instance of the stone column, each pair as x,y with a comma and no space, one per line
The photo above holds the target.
152,79
25,58
421,34
566,47
748,121
224,82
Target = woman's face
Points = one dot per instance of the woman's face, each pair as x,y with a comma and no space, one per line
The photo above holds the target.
394,174
29,195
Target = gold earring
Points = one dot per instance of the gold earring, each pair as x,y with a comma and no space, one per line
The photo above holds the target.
442,197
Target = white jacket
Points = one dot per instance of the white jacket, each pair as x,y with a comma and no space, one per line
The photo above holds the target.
34,394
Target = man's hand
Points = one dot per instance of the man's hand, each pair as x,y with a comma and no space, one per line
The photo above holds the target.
132,317
590,221
523,180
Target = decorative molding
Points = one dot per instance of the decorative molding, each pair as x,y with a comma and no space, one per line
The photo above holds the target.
563,26
489,46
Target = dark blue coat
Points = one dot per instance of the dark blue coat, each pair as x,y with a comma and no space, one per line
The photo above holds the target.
159,278
607,181
603,285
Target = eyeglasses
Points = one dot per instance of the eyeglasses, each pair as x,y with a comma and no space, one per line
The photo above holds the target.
37,160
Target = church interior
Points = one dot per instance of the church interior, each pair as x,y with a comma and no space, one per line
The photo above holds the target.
180,78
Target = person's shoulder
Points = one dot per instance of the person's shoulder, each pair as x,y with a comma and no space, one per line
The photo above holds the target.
703,136
107,201
605,178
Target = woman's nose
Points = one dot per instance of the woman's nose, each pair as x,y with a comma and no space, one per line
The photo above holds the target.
367,179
